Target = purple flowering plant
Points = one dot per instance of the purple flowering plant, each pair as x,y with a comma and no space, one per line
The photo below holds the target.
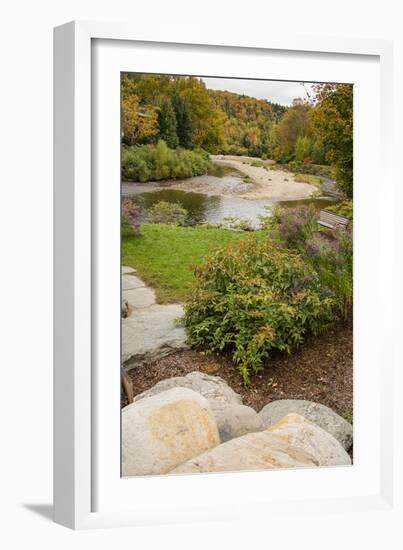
131,215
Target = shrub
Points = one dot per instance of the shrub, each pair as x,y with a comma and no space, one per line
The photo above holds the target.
253,297
157,162
236,150
309,178
272,219
170,213
238,224
131,215
344,208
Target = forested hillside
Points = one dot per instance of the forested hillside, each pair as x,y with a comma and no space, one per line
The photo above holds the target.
185,114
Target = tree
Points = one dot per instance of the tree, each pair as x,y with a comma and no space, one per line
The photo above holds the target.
183,122
137,121
208,122
294,124
303,149
167,124
332,120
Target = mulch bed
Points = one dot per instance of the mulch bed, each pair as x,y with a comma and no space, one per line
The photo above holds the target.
321,370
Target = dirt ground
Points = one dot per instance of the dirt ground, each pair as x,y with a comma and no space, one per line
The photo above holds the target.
321,370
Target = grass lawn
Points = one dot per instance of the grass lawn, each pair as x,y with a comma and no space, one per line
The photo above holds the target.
164,255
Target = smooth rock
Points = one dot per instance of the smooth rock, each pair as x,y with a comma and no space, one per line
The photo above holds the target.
294,442
237,420
139,298
319,414
165,430
151,333
126,270
213,388
124,308
130,282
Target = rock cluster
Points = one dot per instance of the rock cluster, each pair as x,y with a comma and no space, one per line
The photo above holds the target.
197,423
157,324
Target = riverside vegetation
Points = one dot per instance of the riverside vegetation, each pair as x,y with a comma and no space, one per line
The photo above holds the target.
171,123
248,292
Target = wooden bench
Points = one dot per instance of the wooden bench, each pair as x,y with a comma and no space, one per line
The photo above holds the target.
332,220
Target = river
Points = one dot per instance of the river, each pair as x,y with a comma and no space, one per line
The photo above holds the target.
219,200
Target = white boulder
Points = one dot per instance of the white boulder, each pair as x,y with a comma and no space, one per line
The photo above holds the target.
294,442
317,413
166,430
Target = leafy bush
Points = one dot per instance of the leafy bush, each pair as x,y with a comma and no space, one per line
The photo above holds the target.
236,150
309,178
344,208
272,219
253,297
158,162
131,215
238,224
321,170
170,213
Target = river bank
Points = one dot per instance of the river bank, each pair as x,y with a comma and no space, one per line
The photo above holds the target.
252,179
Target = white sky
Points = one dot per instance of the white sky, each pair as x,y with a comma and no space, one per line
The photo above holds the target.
272,90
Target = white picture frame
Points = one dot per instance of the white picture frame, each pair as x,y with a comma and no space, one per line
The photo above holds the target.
88,490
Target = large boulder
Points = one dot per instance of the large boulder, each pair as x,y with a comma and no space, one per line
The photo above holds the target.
294,442
165,430
213,388
236,420
319,414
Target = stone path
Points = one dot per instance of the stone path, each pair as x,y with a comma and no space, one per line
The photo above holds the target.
149,330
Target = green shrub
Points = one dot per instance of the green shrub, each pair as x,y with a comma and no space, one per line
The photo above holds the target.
344,208
309,178
321,170
253,297
272,219
170,213
236,150
158,162
238,224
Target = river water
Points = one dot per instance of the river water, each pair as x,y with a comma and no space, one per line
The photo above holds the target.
213,206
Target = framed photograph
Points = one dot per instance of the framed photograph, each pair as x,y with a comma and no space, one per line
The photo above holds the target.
221,252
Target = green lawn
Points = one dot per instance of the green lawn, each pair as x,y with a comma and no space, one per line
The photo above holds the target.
163,255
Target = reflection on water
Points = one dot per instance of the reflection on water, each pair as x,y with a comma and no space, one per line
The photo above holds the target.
203,208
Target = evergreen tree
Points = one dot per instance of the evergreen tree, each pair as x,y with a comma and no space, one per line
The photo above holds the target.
167,124
183,122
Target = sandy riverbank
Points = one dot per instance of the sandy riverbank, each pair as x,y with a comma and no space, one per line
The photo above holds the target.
266,183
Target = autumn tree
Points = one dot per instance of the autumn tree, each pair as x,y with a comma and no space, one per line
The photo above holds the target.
207,121
294,124
137,121
332,120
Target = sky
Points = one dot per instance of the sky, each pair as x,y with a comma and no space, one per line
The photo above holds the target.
272,90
